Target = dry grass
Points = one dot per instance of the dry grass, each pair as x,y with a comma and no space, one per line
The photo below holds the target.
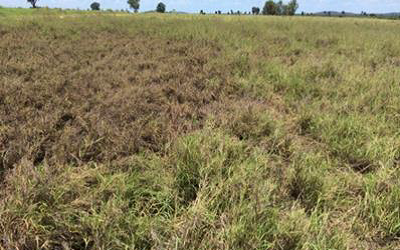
187,132
69,102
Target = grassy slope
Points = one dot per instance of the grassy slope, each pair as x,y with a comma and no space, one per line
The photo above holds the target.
39,12
199,132
12,12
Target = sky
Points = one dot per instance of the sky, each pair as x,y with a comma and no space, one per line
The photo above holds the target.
370,6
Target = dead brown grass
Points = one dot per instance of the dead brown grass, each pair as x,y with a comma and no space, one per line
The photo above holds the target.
65,101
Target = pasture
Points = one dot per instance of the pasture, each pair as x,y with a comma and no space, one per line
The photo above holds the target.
149,131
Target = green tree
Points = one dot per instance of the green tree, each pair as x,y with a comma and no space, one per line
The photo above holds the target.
134,4
161,8
280,8
255,10
95,6
292,7
33,2
270,8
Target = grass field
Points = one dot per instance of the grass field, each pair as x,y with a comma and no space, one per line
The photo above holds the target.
199,132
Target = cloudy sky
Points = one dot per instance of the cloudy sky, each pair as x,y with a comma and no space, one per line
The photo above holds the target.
357,6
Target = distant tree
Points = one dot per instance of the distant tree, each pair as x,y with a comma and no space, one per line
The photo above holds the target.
219,12
95,6
269,8
255,10
292,7
302,13
280,8
33,2
161,7
202,12
232,12
238,12
343,12
134,4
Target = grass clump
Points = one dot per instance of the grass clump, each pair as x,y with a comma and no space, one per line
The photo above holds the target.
88,207
306,186
380,210
250,123
349,139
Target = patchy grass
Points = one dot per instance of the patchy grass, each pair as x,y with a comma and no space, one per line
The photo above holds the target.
198,132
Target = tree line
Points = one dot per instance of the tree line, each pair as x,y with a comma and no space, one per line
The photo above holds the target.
133,4
270,7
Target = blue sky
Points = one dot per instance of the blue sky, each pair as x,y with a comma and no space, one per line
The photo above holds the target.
357,6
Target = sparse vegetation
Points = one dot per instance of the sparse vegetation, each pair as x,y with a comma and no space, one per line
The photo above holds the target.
193,132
